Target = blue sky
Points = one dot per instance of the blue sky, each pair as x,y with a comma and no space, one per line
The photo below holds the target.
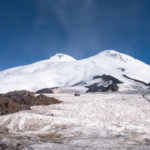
32,30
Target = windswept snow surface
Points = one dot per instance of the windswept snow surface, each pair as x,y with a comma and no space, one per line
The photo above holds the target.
61,57
64,71
90,122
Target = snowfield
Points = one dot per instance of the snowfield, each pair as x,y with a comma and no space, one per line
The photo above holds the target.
91,121
64,71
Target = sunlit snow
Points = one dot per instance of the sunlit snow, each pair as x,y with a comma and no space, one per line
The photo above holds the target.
90,121
64,71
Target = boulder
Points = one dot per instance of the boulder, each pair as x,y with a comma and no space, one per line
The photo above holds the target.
22,100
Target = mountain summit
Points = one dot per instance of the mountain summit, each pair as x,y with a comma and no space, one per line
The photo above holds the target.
116,55
112,54
61,57
106,71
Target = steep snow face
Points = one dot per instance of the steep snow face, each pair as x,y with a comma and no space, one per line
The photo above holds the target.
115,62
64,71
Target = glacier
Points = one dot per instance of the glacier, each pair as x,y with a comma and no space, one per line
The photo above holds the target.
106,121
64,71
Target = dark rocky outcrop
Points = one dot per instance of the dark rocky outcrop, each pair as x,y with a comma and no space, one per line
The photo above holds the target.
109,84
46,90
107,78
122,69
22,100
96,88
79,83
147,84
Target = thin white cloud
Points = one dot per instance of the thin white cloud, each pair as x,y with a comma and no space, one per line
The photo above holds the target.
75,17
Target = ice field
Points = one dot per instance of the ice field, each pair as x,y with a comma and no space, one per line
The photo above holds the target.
89,121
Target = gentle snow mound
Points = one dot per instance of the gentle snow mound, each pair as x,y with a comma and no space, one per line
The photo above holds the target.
61,57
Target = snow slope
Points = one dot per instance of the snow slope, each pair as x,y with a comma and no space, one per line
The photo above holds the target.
64,71
90,121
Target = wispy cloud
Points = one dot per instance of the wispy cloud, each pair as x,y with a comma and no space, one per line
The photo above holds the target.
77,19
93,24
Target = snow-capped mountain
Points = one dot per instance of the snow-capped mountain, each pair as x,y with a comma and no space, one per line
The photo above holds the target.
103,70
61,57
